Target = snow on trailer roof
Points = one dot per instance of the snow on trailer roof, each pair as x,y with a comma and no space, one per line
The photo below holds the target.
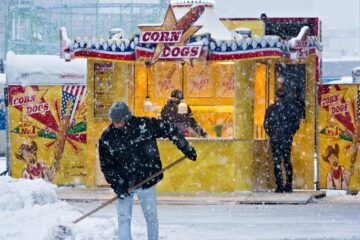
339,80
208,20
44,70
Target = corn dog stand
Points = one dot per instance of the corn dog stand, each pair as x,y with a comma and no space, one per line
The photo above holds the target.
228,80
47,118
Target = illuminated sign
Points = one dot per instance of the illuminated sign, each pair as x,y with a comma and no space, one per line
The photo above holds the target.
171,36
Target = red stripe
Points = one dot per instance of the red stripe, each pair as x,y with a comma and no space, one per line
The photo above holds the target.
182,5
78,137
235,56
72,144
226,56
77,90
50,144
124,57
58,111
72,91
143,53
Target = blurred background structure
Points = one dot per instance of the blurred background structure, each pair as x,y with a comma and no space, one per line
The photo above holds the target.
32,26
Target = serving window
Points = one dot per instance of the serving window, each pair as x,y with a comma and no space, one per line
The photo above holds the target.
262,87
208,89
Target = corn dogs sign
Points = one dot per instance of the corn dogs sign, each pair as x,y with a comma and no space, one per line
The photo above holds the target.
48,133
339,136
171,36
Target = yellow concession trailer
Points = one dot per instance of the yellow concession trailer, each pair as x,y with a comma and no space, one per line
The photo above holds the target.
228,75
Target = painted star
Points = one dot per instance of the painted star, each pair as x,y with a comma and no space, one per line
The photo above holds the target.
170,23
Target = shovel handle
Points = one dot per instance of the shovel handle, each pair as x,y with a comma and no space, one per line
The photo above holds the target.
131,189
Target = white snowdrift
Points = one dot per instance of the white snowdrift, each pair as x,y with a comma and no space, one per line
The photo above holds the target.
30,209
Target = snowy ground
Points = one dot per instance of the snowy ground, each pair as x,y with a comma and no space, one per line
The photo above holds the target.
30,210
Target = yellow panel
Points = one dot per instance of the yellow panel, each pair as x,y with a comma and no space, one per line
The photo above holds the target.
260,80
257,26
120,79
244,99
56,142
222,166
338,125
303,144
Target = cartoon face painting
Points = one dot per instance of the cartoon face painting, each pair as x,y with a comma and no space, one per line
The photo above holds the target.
337,177
34,169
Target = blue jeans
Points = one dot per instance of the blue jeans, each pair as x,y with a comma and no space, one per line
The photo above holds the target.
147,200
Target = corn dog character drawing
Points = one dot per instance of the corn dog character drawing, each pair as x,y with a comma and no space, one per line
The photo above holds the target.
338,177
34,169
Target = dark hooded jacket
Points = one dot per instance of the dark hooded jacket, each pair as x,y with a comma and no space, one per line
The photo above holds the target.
130,154
170,114
282,119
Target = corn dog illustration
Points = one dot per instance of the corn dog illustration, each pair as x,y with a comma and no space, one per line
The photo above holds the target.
62,134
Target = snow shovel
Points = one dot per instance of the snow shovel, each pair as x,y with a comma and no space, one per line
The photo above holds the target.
62,232
131,188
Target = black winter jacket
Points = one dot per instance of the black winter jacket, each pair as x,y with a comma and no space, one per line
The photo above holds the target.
170,113
282,120
130,154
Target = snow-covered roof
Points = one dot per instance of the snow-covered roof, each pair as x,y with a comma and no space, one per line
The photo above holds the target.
340,80
44,69
208,20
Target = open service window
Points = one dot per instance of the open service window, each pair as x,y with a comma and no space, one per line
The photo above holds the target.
292,78
207,87
262,86
209,91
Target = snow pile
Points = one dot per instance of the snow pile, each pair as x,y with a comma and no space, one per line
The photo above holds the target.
340,197
30,209
18,194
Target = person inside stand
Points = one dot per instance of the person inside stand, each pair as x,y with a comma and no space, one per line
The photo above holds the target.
282,120
128,155
184,121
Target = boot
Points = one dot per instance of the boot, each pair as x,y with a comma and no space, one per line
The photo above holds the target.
279,189
288,187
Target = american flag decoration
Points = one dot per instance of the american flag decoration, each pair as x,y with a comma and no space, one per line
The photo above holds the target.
73,95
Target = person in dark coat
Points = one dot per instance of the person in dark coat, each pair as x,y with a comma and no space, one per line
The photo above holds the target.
128,155
184,121
281,122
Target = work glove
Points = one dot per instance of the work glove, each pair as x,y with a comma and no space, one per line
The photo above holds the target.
122,193
190,153
121,189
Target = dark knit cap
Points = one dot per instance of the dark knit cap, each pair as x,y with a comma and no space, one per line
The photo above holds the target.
177,94
119,112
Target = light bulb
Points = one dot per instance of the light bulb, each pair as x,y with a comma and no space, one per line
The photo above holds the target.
183,108
147,105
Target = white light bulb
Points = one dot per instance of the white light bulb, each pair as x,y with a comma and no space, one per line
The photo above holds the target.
147,105
183,108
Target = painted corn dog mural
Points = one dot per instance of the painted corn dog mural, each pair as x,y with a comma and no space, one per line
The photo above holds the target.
48,123
339,136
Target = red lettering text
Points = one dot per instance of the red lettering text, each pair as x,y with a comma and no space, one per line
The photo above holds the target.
161,36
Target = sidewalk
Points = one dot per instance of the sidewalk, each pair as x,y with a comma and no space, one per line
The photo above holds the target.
103,194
